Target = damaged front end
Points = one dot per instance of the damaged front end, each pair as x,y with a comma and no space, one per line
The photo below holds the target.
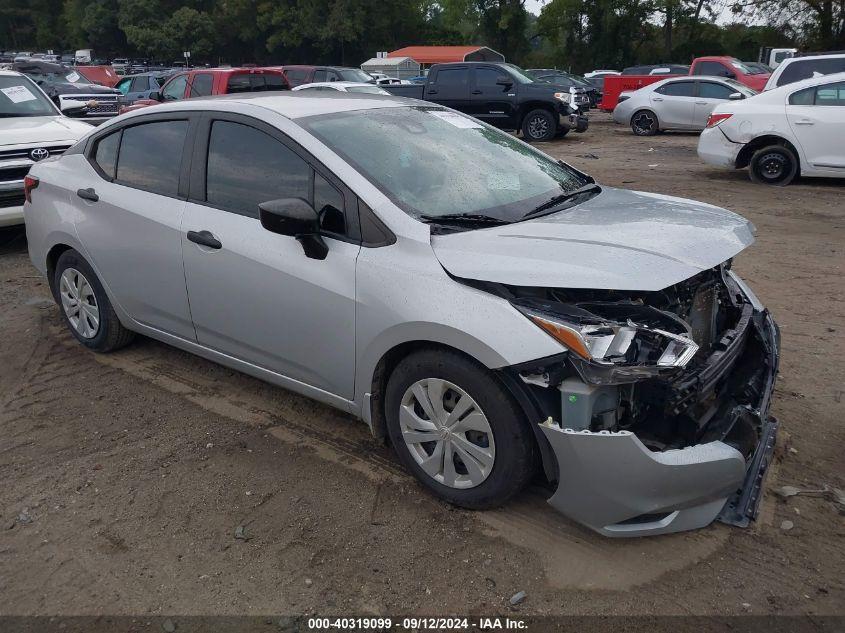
657,416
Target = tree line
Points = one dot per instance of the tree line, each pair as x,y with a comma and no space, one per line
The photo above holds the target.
567,34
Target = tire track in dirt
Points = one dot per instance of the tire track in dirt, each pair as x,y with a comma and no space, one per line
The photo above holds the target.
573,557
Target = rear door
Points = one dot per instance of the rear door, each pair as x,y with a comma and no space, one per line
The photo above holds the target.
710,94
450,87
817,119
674,104
490,101
132,232
257,297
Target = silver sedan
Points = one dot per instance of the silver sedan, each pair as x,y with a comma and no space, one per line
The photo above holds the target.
678,103
493,312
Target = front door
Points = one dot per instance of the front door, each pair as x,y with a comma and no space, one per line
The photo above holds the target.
254,295
492,102
817,118
710,94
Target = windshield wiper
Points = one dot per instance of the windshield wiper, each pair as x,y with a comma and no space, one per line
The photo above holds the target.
560,199
462,218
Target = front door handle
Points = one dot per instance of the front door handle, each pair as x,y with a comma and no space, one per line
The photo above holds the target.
432,92
204,238
476,92
88,194
700,103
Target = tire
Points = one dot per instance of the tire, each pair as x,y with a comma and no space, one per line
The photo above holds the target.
645,123
86,309
773,165
502,458
562,131
539,125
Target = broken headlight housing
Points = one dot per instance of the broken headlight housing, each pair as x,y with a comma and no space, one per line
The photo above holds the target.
615,342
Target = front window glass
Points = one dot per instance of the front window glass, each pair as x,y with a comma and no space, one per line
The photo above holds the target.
175,88
20,97
151,156
434,162
123,85
709,90
246,167
520,75
201,85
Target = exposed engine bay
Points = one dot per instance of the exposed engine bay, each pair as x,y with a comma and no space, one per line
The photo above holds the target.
678,367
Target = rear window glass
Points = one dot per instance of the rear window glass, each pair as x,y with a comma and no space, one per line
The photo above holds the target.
151,155
677,89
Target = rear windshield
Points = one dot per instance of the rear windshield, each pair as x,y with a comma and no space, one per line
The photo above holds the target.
256,83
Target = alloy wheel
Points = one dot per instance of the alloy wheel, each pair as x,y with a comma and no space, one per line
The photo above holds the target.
538,127
447,433
644,123
79,303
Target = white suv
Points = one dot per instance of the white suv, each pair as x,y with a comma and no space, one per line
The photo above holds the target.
31,129
795,69
783,133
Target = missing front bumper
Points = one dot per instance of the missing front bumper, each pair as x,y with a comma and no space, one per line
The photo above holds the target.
612,483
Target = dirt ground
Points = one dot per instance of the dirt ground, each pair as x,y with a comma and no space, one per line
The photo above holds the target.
125,476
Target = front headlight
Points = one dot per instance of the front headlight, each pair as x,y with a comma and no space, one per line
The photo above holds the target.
563,96
616,351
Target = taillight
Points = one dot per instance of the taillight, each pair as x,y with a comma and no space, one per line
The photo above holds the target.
716,119
29,183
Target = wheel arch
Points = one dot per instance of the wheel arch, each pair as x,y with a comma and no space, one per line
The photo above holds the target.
376,415
52,259
743,159
525,108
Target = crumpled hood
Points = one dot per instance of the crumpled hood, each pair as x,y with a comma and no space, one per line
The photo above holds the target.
38,130
619,240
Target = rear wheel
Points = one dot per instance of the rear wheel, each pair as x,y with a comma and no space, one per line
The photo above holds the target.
85,307
539,125
457,429
773,165
644,123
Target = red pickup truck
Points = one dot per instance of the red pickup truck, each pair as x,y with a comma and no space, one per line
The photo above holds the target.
202,82
713,66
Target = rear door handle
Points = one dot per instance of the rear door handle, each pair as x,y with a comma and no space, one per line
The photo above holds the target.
476,92
700,103
657,98
204,238
804,122
88,194
432,92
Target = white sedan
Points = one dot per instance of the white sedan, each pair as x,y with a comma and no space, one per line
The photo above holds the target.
344,86
678,103
31,129
795,130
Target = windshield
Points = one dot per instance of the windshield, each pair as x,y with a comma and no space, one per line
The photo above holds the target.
741,88
433,162
19,97
353,74
372,90
748,70
520,75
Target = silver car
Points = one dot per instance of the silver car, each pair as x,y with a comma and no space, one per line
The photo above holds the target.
494,313
679,103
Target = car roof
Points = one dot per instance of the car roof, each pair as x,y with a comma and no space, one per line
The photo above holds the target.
10,73
291,104
345,84
805,83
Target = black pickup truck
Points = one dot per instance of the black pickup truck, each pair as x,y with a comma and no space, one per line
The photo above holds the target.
501,95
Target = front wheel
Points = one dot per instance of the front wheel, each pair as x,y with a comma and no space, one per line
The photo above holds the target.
644,123
773,165
539,125
457,430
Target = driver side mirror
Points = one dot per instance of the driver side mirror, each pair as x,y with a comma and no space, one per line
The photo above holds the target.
296,218
156,95
70,108
736,96
730,74
504,80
